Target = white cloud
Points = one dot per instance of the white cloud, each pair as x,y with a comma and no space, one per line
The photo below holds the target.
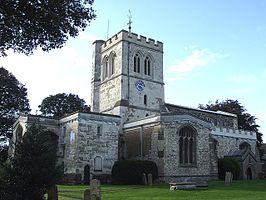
196,59
62,70
242,78
264,73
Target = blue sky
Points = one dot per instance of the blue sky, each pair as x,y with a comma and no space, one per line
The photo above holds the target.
212,50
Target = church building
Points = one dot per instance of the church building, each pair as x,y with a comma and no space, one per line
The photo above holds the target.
131,120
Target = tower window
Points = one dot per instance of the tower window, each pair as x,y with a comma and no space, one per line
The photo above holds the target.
147,66
145,99
105,68
187,146
137,63
112,63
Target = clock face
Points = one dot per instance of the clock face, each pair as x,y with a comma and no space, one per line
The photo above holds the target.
140,85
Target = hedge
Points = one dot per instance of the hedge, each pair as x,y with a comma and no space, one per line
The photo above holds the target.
130,171
228,164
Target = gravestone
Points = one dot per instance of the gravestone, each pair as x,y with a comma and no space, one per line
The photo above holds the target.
53,193
149,179
228,178
87,194
144,179
95,191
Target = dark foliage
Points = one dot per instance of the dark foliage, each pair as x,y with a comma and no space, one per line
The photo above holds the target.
28,24
60,104
13,99
32,170
228,164
245,120
130,171
3,153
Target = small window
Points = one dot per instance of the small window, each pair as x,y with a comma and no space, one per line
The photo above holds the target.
137,63
161,136
99,131
98,163
145,99
160,154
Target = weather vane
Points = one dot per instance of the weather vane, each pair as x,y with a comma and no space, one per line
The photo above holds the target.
129,22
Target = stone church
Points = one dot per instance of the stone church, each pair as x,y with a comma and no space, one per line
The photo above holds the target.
131,120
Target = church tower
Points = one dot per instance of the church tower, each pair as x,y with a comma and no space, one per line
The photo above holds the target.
127,76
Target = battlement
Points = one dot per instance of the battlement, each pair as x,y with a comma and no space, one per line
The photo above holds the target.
133,38
236,133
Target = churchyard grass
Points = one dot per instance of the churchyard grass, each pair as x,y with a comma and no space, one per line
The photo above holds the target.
217,190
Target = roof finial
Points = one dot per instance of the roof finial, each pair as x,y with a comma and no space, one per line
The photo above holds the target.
129,22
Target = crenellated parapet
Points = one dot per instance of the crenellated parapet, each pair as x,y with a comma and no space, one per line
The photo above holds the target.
133,38
235,133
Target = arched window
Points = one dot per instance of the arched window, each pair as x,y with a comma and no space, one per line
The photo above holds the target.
98,163
105,68
187,146
112,63
137,63
147,66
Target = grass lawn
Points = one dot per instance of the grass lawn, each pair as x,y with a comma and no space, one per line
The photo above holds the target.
238,190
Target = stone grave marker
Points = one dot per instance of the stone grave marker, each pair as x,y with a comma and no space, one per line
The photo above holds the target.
149,179
144,179
228,178
95,191
87,194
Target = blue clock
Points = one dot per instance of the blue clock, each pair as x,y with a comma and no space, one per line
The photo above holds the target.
140,85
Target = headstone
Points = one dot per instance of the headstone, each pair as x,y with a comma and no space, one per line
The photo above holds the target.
144,179
149,179
53,193
95,191
228,178
87,194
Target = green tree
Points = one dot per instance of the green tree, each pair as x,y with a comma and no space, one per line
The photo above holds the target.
60,104
13,100
245,120
26,25
32,170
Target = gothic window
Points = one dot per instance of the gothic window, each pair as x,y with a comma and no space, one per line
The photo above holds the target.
147,66
105,68
187,146
112,63
98,163
137,63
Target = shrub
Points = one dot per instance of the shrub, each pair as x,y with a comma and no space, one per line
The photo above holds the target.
130,171
228,164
